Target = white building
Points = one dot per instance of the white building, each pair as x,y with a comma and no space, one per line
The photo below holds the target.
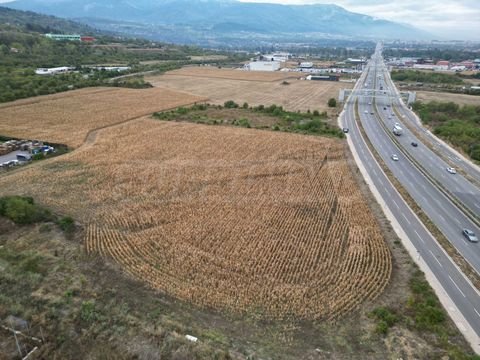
281,57
263,66
424,66
306,65
53,71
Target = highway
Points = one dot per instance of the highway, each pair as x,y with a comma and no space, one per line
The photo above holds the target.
445,152
444,213
467,192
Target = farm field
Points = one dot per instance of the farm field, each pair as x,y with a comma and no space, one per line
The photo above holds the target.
232,74
225,218
255,88
461,99
67,118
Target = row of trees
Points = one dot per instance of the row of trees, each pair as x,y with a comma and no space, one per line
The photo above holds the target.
426,77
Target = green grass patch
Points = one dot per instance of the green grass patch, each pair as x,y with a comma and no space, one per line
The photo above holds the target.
458,125
23,210
426,77
313,123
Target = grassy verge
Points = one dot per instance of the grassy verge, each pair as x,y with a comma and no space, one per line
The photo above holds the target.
459,126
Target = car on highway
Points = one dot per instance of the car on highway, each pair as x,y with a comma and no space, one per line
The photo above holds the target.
414,144
451,170
366,111
384,108
345,130
372,113
470,235
394,157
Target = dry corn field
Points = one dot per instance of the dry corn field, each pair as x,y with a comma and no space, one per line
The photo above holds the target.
67,118
226,218
232,74
298,95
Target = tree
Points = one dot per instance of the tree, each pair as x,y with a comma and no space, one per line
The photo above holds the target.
332,103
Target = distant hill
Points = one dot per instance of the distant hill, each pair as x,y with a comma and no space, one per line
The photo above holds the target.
215,18
33,22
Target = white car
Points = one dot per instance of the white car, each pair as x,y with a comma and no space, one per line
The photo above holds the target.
394,157
451,170
366,111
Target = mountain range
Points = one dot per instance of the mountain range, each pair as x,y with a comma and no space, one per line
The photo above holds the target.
222,19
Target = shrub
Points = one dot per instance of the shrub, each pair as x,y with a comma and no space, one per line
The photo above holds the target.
87,311
38,156
245,105
332,103
23,210
230,104
67,224
386,319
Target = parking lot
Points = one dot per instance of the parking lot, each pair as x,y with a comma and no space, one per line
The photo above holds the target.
12,156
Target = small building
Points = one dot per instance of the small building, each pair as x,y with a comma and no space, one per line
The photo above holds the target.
356,61
112,68
53,71
424,66
63,37
280,57
442,65
87,39
262,66
306,65
324,77
468,64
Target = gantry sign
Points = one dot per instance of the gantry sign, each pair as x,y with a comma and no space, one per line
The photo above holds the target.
408,97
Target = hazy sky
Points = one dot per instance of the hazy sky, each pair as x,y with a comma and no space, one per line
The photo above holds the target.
453,19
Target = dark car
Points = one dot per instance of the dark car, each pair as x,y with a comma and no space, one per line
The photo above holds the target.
414,144
470,235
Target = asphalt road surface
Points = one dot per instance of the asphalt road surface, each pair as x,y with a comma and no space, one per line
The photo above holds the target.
445,214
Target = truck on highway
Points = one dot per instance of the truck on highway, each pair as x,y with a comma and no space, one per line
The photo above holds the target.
397,129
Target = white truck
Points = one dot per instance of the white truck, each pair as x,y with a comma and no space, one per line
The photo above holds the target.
397,129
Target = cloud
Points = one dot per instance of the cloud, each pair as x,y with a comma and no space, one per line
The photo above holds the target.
456,19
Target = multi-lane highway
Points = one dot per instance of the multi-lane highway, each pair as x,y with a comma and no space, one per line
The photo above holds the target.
427,194
446,152
372,114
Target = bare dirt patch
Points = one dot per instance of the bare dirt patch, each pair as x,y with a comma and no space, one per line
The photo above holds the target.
462,99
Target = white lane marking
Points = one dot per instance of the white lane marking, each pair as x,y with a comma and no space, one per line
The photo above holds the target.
454,283
419,236
406,219
396,204
476,205
476,312
458,221
439,263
